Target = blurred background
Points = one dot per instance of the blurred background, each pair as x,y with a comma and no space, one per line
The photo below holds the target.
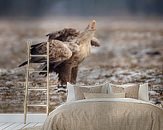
39,8
130,34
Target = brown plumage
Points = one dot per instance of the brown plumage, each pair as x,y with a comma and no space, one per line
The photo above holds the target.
65,60
68,34
67,70
58,52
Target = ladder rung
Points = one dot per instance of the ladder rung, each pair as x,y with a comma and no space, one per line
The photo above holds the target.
36,105
29,82
38,55
37,70
38,82
39,89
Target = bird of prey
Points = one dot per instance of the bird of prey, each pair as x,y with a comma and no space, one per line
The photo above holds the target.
66,66
67,70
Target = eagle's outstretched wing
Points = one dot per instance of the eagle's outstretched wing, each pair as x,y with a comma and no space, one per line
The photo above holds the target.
58,52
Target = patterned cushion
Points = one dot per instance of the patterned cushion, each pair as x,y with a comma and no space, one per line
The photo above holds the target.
79,91
130,90
76,92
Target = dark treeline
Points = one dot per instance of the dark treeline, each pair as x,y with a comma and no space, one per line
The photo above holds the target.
80,7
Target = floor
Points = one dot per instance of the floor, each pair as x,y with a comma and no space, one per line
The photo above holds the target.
17,126
14,121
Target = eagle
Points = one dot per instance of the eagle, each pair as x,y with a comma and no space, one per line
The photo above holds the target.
68,48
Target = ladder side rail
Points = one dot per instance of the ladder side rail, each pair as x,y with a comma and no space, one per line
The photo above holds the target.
26,85
47,109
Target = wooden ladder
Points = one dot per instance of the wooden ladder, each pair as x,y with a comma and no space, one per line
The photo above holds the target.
28,71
